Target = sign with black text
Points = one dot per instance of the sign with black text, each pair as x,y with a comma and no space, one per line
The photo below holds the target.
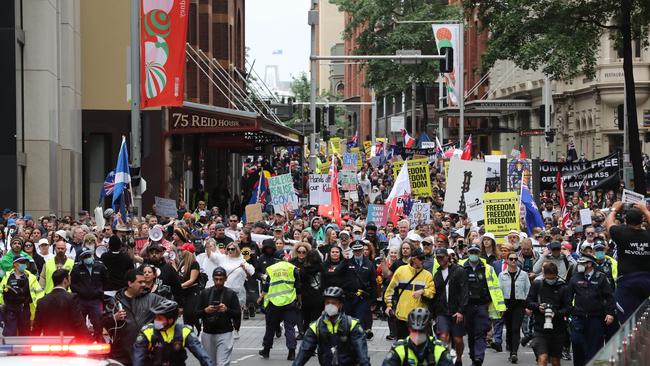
595,174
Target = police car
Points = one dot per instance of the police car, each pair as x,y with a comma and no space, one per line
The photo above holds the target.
53,351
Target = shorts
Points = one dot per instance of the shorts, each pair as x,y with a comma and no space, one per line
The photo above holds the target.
447,324
549,343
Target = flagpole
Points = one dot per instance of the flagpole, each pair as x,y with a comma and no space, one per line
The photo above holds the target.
130,186
136,200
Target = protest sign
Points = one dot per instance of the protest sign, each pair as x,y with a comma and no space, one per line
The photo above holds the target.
335,146
254,212
348,180
165,207
377,214
283,196
465,187
420,214
595,174
428,145
632,197
419,176
320,190
350,161
585,216
357,151
501,211
493,163
352,196
396,123
367,146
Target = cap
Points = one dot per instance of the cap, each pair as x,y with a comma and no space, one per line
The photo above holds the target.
344,232
599,245
490,235
219,271
418,253
187,215
414,237
189,247
27,217
11,222
586,258
567,246
261,224
43,242
6,211
122,227
450,251
441,237
20,258
371,226
62,234
155,248
555,245
441,252
473,248
219,226
357,245
85,253
281,213
278,228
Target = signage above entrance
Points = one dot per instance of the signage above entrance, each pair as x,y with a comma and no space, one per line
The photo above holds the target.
186,120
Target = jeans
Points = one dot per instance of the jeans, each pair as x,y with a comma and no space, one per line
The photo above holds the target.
513,318
631,290
497,336
218,346
477,323
275,315
93,310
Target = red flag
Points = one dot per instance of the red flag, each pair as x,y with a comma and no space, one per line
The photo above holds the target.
522,152
467,151
336,198
565,218
408,140
163,33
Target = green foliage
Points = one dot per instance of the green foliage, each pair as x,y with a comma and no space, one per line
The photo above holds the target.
300,87
559,37
374,22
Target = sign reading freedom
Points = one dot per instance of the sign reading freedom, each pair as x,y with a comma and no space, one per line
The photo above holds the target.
596,174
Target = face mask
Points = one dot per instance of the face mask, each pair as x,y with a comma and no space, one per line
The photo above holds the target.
550,282
357,236
89,261
331,310
473,258
22,267
158,325
581,268
418,338
600,255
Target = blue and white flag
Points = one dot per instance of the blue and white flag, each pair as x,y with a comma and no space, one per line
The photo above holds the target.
533,217
107,187
122,173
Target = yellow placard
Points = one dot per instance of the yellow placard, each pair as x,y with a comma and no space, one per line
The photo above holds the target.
501,211
419,176
335,146
356,150
367,147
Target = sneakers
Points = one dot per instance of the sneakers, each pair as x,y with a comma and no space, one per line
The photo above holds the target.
566,355
246,314
496,346
236,334
292,355
525,340
513,358
264,352
390,337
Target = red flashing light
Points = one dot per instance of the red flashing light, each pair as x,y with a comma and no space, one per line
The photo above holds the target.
78,349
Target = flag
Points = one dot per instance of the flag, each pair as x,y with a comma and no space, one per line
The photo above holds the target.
399,195
122,177
571,153
260,190
522,152
107,187
584,187
467,151
408,140
533,217
336,197
354,142
565,216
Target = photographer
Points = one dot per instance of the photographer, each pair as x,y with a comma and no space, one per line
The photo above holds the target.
633,249
550,303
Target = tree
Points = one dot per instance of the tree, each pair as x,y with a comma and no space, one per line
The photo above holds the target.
562,39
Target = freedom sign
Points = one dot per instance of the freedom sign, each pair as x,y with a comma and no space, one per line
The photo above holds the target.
419,177
501,211
595,174
320,189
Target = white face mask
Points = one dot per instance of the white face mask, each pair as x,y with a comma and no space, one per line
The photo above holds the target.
418,338
331,310
581,268
158,325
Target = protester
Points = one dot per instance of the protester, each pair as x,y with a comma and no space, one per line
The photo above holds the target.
515,286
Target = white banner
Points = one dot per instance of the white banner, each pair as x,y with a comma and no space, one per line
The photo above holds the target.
465,188
320,189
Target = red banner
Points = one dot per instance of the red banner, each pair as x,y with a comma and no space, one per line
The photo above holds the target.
163,30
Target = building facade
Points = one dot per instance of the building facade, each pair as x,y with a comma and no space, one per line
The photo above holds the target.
40,87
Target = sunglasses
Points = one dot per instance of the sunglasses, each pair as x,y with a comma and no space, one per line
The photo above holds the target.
301,252
512,259
426,244
29,245
230,249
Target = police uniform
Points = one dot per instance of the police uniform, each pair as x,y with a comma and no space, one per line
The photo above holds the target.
593,300
167,347
485,302
609,267
361,286
281,288
19,294
405,352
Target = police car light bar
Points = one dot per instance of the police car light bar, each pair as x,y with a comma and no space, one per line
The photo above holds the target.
51,345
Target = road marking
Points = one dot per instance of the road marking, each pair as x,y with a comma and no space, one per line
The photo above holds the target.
242,358
263,327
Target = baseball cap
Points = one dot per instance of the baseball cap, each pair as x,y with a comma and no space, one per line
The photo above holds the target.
586,258
189,247
344,232
43,241
555,245
219,271
441,252
599,245
62,234
11,222
418,253
20,258
85,253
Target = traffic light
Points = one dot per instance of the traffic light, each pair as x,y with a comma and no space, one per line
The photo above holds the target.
331,115
542,116
620,113
550,136
319,119
326,134
447,64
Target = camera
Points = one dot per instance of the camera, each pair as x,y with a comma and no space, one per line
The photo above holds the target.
548,317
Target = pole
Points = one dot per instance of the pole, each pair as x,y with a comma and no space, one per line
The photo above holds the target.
413,106
313,21
626,143
441,103
135,97
373,117
461,84
547,114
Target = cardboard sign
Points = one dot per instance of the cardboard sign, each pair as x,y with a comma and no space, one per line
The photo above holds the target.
632,197
348,180
396,123
377,214
283,196
420,214
350,161
419,176
501,211
585,216
166,207
465,187
367,148
254,212
320,189
357,151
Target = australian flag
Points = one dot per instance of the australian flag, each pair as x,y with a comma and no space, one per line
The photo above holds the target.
107,187
354,142
260,193
533,217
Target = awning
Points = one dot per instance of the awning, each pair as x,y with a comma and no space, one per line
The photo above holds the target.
230,127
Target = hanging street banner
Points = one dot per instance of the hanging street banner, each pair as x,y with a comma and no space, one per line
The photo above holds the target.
377,214
448,35
420,214
163,30
501,211
465,187
320,190
419,176
283,196
595,174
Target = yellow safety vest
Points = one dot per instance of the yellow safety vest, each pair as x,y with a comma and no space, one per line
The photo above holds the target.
34,289
401,349
49,268
498,304
167,334
614,266
332,328
282,290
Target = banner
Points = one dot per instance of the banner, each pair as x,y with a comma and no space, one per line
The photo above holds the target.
595,174
163,30
419,177
254,212
165,207
501,210
283,196
320,191
377,214
465,187
420,214
448,35
348,180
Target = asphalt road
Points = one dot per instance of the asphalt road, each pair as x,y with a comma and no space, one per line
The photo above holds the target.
252,331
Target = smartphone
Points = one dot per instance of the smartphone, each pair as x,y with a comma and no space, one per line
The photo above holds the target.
216,303
119,306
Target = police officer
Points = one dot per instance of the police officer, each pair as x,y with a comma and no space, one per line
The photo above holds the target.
281,303
593,309
87,281
360,286
485,302
340,339
608,266
418,348
163,342
20,292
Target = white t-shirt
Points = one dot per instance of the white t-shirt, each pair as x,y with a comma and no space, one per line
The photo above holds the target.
445,274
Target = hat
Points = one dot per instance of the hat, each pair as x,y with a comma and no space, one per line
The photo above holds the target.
43,241
450,251
155,248
11,222
156,234
261,224
344,232
599,245
187,215
567,246
489,235
586,245
441,237
219,226
189,247
20,258
27,217
278,228
515,232
441,252
555,245
114,243
454,233
586,258
473,248
358,245
62,234
85,253
108,213
6,211
371,226
219,271
122,227
418,253
281,213
414,237
181,234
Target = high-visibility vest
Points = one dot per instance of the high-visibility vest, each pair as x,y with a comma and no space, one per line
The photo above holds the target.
402,350
35,290
498,304
50,267
167,344
282,290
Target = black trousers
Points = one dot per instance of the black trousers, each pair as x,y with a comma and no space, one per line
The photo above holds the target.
513,318
309,312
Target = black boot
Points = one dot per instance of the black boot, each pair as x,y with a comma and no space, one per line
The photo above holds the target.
264,352
292,355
